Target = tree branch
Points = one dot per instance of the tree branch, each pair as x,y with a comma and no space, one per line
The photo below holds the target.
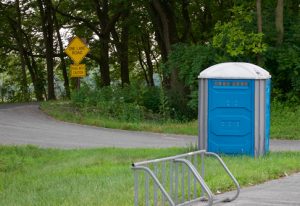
85,21
112,22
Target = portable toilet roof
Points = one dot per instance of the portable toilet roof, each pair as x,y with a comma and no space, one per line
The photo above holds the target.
234,70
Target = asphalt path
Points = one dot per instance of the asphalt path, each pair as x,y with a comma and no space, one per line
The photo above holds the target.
280,192
26,124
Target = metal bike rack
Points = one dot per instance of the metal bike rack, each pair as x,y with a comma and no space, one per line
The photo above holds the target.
165,175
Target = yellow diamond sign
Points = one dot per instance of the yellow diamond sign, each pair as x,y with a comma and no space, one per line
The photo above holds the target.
77,70
77,50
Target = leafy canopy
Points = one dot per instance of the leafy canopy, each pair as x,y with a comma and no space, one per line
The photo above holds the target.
236,37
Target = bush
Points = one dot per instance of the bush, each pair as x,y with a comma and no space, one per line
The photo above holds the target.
130,103
151,99
190,61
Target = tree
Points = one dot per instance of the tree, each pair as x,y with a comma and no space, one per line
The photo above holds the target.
121,44
132,40
259,28
244,44
20,37
163,19
147,52
102,26
279,21
62,59
46,15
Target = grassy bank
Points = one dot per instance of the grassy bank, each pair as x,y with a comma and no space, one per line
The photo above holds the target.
66,112
33,176
285,121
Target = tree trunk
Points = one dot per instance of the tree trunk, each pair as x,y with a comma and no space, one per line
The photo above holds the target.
35,73
206,21
124,55
104,60
259,28
24,85
164,24
163,51
147,49
165,21
102,13
122,51
62,59
36,81
46,14
187,22
49,49
142,65
259,16
279,21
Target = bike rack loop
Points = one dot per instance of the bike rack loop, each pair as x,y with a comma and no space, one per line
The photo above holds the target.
191,169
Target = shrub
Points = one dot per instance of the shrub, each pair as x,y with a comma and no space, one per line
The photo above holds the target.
130,103
190,60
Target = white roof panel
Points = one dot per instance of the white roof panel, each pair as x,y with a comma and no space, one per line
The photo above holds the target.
234,70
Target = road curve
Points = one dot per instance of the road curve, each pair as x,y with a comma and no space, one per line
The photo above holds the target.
25,124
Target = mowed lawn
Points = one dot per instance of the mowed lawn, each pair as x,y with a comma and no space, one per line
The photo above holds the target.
34,176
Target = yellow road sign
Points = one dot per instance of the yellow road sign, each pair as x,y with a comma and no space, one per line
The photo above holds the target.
77,70
77,50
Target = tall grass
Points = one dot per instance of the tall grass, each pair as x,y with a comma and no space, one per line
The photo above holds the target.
66,111
285,121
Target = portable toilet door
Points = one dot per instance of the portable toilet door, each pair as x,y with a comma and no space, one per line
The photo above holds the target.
234,109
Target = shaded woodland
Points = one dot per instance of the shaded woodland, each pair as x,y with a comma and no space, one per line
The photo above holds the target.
155,45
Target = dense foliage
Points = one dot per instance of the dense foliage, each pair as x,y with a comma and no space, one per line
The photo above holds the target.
145,55
130,103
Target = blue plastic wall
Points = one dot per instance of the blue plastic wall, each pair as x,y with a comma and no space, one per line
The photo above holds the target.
267,120
231,116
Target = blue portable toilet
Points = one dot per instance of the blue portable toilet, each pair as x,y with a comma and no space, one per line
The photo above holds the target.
234,109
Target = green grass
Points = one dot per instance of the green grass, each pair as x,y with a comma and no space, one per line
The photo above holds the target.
34,176
63,110
285,121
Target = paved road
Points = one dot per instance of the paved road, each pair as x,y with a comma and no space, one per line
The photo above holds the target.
26,124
